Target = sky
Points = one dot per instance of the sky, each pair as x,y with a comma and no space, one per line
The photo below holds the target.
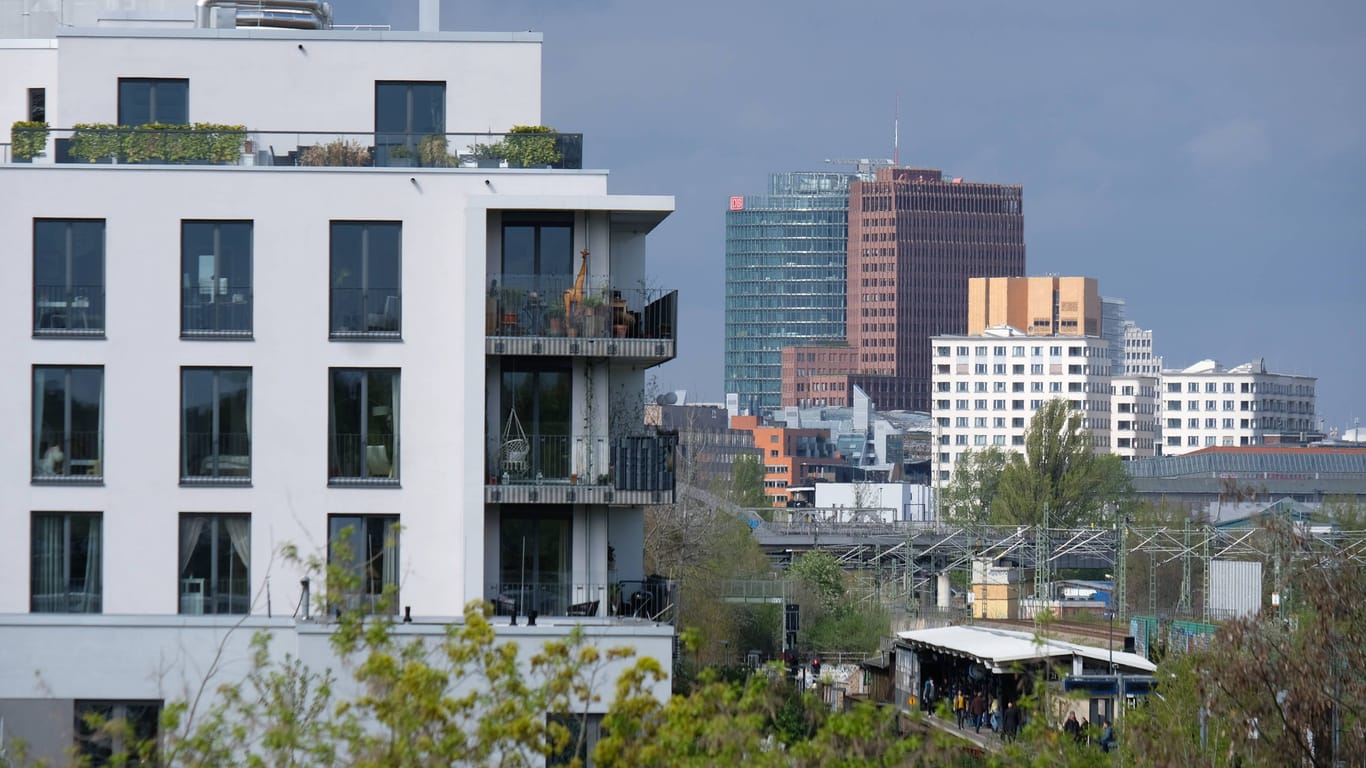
1205,161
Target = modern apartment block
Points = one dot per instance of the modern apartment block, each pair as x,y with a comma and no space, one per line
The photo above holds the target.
239,335
785,278
1134,429
987,387
1039,306
1210,405
915,241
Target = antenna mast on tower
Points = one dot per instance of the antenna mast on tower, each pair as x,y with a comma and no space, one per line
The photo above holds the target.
896,132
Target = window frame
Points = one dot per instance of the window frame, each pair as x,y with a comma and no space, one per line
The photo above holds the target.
393,416
71,299
366,599
153,118
217,285
390,312
209,594
215,435
93,599
45,458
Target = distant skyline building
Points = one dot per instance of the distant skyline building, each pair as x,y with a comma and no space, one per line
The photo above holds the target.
1139,357
915,239
1039,306
1112,328
785,278
1207,405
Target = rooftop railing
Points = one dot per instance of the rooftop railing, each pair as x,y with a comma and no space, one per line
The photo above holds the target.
224,145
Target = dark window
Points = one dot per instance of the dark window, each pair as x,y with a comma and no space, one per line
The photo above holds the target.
117,732
68,423
366,279
362,425
543,248
365,547
215,278
37,105
146,100
534,563
405,113
68,277
215,559
66,563
537,409
215,424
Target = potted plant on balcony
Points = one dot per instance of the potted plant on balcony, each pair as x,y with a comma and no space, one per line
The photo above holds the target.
28,139
555,318
432,152
338,152
487,155
400,156
532,146
593,316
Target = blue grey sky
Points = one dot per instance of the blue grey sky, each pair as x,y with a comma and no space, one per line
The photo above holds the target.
1206,161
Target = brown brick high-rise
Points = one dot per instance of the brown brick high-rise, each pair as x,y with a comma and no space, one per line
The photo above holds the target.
914,240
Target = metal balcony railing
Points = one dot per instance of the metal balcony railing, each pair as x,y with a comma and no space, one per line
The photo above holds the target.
550,305
216,313
233,145
631,463
73,455
652,599
225,456
68,310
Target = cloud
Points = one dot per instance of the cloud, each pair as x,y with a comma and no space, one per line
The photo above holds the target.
1234,145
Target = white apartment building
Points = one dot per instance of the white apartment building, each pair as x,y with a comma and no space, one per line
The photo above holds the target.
1138,356
987,388
243,335
1209,405
1133,413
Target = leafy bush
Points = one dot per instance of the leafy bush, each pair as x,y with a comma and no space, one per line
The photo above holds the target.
27,138
159,143
531,146
340,152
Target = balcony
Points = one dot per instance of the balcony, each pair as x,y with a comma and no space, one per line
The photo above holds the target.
229,145
542,315
559,469
653,599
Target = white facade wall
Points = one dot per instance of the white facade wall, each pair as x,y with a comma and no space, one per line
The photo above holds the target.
887,502
986,389
1206,406
1133,418
449,388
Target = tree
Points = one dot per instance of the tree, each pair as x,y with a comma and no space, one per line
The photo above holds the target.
969,496
830,620
1059,469
1293,692
747,483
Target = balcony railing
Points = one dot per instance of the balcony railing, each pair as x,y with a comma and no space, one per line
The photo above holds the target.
225,457
209,313
68,456
62,310
550,305
633,463
357,460
652,599
230,145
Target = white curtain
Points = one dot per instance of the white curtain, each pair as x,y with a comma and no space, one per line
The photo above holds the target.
39,384
99,438
390,572
93,562
49,584
393,423
239,533
191,528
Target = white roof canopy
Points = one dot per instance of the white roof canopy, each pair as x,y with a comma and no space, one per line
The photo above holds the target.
998,648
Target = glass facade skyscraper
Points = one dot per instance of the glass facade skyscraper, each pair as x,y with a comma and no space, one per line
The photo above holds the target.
785,278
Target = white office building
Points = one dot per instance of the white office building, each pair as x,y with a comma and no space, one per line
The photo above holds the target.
987,388
1133,417
1138,356
1208,405
240,335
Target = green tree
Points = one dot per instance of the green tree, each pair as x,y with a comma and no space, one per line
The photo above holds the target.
1059,469
831,621
747,482
969,496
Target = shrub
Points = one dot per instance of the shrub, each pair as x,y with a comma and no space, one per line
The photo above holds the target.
27,139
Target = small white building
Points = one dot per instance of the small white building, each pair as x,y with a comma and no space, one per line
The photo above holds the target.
1209,405
875,502
1133,413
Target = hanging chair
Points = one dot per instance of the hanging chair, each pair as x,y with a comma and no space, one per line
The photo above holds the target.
515,448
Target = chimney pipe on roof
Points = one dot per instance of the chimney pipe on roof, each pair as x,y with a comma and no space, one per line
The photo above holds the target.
429,15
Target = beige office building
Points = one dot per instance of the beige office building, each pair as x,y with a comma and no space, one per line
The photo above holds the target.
1039,306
